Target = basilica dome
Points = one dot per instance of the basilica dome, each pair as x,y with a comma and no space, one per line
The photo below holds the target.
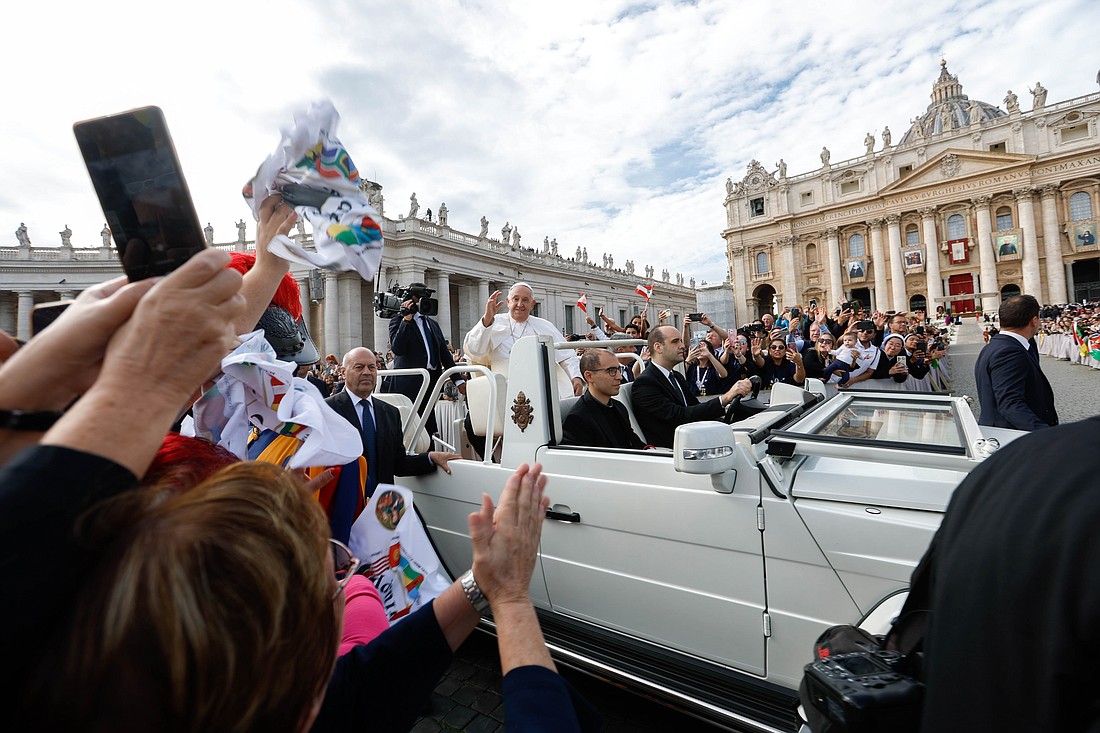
949,110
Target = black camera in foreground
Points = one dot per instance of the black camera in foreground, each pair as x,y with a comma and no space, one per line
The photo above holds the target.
388,304
864,692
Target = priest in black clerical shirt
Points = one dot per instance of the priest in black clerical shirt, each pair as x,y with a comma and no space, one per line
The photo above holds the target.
596,420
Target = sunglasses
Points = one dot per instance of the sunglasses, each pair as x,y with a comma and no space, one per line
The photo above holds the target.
344,563
776,347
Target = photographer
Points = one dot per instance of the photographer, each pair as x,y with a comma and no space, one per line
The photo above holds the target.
418,343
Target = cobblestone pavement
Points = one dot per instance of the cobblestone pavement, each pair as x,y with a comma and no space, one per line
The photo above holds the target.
1076,387
468,699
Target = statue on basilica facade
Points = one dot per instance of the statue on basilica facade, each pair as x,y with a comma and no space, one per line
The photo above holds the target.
515,237
1012,102
584,254
376,200
729,186
869,143
546,245
782,166
106,235
554,246
300,227
605,259
506,233
918,128
414,206
679,279
208,232
578,257
611,261
66,236
443,214
1038,96
629,267
693,283
22,236
241,231
945,119
886,137
484,228
975,111
825,156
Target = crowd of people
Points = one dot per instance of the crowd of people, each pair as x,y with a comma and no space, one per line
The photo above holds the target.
849,348
157,582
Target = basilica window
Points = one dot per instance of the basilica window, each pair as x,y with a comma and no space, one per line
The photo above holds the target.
956,227
912,236
756,207
1080,206
1004,218
855,245
762,263
569,319
811,255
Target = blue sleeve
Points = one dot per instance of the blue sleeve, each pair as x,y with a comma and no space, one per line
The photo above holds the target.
43,491
1008,378
384,685
537,699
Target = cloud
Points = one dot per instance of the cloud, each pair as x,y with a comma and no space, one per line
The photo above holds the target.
610,126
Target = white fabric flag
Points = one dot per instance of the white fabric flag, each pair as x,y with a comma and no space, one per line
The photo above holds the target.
326,193
390,539
257,389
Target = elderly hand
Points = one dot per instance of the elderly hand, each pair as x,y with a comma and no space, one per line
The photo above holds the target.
506,540
179,332
62,362
440,458
492,305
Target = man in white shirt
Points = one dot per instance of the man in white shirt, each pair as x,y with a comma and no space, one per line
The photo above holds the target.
490,341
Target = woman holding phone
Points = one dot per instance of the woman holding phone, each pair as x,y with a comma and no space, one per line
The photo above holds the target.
782,363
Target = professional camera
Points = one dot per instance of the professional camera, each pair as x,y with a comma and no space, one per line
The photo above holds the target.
864,692
388,304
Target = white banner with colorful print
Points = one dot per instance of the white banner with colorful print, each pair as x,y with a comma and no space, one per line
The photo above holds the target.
312,171
390,540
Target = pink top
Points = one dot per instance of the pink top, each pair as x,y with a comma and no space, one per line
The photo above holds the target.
364,616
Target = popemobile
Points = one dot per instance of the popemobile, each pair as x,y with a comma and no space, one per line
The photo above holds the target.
703,575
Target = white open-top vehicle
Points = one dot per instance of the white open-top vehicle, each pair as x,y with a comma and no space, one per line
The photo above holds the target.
703,575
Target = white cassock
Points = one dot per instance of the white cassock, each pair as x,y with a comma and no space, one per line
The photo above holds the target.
492,347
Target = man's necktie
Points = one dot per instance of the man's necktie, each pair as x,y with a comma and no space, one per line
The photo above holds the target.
674,377
1033,350
433,362
369,439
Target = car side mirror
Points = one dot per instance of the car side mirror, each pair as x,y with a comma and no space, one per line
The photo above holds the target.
706,448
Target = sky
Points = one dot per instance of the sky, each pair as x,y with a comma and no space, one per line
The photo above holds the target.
609,125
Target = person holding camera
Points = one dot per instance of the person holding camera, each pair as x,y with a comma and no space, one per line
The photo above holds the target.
418,343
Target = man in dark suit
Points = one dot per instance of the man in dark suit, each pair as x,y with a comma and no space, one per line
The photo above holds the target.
661,398
1012,389
380,425
596,420
418,343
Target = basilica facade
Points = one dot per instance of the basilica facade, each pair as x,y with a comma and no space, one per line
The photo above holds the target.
973,204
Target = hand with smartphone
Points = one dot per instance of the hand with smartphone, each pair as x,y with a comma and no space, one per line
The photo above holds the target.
140,185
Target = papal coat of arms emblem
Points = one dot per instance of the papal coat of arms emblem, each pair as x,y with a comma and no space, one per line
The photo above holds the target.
522,412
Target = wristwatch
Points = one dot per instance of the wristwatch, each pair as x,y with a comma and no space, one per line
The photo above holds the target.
28,421
473,593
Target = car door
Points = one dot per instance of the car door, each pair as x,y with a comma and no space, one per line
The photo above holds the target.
655,553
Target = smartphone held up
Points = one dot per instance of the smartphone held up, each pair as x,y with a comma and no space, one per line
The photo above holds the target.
140,185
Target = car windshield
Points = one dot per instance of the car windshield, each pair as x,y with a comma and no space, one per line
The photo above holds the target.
897,422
